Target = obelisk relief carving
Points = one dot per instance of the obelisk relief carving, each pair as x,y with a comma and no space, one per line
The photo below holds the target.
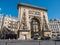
24,21
24,30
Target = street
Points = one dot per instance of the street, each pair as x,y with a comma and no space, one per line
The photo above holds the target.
29,42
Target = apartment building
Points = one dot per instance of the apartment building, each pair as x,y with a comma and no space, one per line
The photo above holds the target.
54,27
10,23
1,21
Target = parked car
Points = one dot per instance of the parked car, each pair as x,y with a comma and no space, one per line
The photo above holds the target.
35,37
44,38
57,38
41,38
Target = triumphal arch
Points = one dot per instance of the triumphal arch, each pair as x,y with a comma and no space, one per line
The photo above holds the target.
33,21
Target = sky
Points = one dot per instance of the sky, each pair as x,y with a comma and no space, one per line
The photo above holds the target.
10,7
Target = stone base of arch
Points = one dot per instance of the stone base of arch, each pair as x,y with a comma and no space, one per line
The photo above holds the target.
24,35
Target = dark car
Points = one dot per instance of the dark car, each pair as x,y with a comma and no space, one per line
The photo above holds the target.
41,38
35,37
44,38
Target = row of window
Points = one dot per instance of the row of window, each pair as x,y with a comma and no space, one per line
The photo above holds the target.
54,26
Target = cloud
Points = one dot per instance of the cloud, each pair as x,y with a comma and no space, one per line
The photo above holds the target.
0,9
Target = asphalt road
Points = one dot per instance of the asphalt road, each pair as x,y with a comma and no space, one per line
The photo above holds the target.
28,42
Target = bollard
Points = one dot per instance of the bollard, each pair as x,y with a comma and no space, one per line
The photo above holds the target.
55,42
39,42
6,43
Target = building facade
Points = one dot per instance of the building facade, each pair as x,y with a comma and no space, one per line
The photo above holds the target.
1,21
54,27
10,23
33,21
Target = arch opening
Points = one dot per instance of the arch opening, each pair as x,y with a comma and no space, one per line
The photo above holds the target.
35,27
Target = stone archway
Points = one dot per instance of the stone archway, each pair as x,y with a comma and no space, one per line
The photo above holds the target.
28,13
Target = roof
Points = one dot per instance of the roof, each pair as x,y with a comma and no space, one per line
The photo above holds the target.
28,5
